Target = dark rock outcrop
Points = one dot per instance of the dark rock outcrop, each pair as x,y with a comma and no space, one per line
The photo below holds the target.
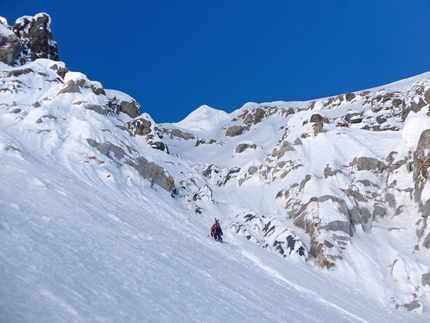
242,147
269,233
148,129
234,131
176,133
139,127
317,118
131,108
60,70
368,163
35,37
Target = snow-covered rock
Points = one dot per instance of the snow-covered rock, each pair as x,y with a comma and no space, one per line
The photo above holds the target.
28,39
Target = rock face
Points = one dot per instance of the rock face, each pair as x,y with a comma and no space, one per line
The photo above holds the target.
148,170
234,131
270,233
10,46
422,155
31,39
146,127
242,147
117,105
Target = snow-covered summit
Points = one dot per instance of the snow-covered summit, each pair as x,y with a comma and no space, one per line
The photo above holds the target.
203,118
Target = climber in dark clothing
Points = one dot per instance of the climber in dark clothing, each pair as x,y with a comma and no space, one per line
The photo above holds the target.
216,231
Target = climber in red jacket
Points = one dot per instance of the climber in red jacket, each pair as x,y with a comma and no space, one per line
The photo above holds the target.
216,231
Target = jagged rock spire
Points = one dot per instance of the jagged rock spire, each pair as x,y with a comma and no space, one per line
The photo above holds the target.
28,39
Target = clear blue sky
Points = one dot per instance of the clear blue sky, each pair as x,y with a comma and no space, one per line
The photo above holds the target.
173,56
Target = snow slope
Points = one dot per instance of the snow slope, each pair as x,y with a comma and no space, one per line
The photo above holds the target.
84,243
91,231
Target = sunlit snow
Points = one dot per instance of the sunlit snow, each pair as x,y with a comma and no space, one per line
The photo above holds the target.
85,238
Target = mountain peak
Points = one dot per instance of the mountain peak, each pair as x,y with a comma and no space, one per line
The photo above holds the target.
204,118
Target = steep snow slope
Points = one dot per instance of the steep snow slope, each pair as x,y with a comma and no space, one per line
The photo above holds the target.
345,175
85,238
104,215
83,242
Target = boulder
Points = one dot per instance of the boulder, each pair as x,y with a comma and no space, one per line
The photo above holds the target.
60,70
368,163
242,147
412,305
234,131
131,108
179,134
318,118
71,87
159,145
349,96
139,127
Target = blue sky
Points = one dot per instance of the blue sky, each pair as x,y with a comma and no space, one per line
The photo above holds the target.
173,56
